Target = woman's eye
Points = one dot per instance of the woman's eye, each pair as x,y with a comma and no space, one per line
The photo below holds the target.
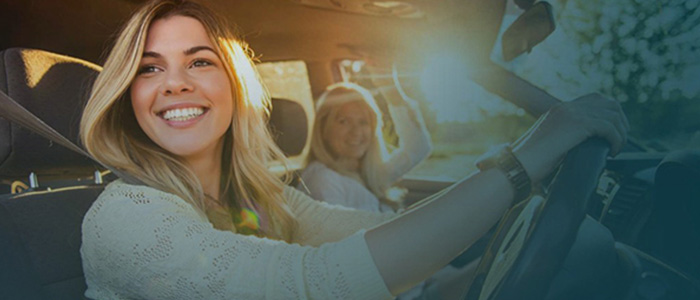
147,69
201,63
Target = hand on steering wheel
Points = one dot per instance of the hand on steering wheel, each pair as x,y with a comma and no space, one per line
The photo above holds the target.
534,237
567,125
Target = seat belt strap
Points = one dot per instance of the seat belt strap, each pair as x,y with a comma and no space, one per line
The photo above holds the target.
15,113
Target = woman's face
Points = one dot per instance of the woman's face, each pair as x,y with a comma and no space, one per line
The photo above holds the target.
182,95
348,134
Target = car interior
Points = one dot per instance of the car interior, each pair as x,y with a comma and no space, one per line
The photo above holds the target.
51,53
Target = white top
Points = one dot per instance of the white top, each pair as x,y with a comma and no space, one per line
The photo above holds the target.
329,186
325,184
142,243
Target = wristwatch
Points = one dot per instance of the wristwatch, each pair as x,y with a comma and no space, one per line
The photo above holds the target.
503,158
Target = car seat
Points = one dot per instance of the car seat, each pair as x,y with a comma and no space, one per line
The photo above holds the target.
673,231
40,229
53,87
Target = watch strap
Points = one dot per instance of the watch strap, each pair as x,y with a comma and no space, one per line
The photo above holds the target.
512,168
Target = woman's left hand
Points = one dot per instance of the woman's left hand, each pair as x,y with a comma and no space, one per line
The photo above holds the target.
566,125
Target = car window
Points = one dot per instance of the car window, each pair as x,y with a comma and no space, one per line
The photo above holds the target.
640,52
463,119
287,80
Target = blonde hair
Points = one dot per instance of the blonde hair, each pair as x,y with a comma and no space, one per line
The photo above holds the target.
110,133
327,108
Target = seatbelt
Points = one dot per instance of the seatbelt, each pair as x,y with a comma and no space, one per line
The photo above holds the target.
13,112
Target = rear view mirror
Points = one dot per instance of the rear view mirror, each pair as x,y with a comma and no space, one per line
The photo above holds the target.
531,28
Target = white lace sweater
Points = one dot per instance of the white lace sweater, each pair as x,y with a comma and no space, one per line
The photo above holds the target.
141,243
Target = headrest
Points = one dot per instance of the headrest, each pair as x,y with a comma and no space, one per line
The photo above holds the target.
289,126
54,88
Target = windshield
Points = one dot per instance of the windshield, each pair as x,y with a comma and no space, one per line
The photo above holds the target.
463,119
643,53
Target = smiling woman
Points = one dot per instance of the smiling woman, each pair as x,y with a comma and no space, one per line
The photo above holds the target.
179,63
182,94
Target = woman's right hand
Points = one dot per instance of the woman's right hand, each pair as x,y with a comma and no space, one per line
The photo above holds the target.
451,221
565,126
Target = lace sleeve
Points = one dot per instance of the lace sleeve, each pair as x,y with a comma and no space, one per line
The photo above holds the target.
140,243
321,223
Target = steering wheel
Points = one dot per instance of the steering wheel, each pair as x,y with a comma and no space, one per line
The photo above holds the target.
535,236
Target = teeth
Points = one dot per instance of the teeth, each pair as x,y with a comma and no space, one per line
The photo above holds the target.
182,114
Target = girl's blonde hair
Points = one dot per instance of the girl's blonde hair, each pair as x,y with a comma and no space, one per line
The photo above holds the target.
109,131
327,108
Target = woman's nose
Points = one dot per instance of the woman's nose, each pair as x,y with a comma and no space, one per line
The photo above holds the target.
355,129
176,82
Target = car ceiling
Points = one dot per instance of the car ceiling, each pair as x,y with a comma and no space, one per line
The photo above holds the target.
276,29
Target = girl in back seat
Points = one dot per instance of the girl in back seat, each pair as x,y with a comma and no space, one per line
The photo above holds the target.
349,163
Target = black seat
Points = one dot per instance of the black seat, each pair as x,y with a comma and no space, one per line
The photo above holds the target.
672,233
40,252
40,230
54,88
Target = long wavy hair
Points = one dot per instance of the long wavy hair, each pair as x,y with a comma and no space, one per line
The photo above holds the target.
109,131
327,108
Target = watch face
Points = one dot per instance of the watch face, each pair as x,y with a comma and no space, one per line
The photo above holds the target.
490,158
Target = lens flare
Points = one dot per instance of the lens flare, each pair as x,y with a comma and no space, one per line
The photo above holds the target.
249,220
